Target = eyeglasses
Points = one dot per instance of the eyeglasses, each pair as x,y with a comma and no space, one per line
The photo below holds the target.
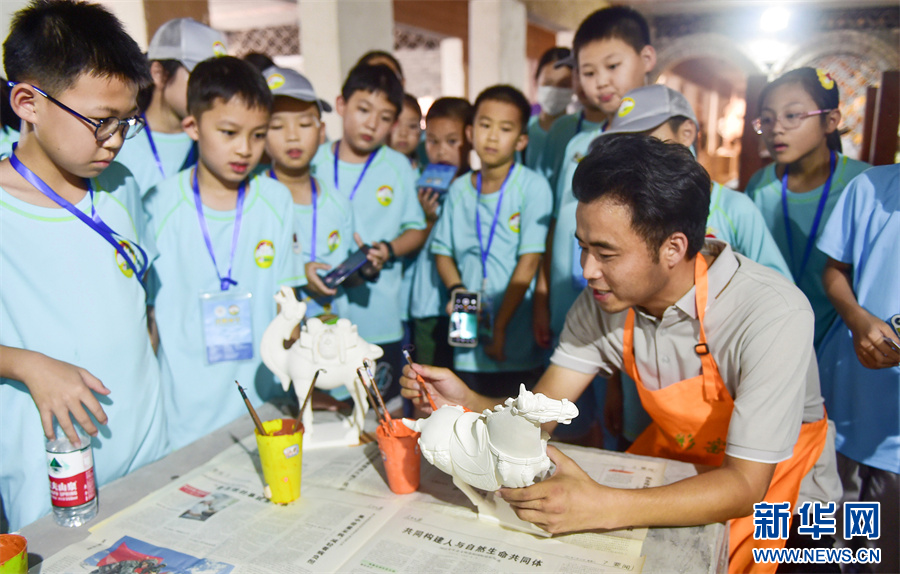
789,120
105,128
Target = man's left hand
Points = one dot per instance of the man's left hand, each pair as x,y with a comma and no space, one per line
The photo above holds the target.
568,501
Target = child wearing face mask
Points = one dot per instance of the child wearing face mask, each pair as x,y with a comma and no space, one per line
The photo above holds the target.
798,122
554,94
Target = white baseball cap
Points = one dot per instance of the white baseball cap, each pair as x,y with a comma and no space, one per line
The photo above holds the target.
287,82
188,41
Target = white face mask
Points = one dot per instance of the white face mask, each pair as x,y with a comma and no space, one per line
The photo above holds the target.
554,100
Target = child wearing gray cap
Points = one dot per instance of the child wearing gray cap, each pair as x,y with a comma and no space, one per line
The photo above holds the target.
176,48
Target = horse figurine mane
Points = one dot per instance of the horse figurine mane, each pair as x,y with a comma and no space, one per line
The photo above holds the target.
500,447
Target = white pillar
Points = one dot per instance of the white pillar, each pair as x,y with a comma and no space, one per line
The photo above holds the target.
453,79
131,13
497,51
7,9
333,35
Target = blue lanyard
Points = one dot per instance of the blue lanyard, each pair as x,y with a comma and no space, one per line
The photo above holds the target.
486,251
580,123
189,160
815,226
94,222
227,281
337,153
315,193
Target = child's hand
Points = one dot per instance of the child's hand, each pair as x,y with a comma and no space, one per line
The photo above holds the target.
314,283
540,322
871,349
378,253
64,391
429,200
495,349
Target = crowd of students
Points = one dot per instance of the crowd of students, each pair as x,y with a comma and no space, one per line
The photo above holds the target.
209,184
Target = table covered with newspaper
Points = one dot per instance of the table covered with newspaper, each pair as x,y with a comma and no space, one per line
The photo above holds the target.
215,519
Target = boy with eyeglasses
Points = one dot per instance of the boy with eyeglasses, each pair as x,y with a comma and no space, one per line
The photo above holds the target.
73,322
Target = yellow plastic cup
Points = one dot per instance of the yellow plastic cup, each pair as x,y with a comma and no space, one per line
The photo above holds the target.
281,456
13,554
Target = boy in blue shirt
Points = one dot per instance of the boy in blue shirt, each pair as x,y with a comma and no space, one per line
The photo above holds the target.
73,320
379,183
554,94
860,354
445,143
225,248
164,149
490,239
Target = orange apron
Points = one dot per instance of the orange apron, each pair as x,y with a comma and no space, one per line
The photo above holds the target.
690,424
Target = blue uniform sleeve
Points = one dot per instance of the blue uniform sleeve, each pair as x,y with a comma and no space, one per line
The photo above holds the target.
837,237
534,216
751,235
413,216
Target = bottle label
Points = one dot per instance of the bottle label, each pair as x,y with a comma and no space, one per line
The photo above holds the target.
71,477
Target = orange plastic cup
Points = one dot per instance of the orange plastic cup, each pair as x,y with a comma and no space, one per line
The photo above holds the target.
13,554
401,456
281,455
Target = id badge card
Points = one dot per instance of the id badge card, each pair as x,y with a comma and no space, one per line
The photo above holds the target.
578,281
227,326
486,319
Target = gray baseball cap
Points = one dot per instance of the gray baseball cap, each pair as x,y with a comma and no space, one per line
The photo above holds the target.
569,61
287,82
188,41
645,108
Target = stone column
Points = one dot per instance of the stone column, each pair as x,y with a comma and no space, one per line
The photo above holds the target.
497,49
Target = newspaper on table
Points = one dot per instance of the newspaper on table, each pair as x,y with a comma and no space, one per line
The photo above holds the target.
215,519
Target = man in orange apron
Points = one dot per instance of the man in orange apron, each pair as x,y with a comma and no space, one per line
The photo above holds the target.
720,348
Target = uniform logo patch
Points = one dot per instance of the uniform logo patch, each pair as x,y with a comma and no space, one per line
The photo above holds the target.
711,232
385,195
514,222
124,267
334,240
264,254
625,107
219,49
275,81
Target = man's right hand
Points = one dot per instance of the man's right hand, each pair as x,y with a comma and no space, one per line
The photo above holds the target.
64,391
445,387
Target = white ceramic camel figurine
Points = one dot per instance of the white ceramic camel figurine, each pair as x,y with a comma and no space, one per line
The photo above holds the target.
336,348
503,447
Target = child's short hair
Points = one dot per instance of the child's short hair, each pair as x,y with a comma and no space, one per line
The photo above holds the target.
378,78
259,60
371,56
224,78
552,55
510,95
52,42
410,101
622,22
458,109
820,86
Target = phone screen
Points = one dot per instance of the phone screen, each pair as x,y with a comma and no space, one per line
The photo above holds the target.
464,320
348,267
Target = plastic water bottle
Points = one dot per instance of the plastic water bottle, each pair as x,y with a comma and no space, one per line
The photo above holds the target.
73,491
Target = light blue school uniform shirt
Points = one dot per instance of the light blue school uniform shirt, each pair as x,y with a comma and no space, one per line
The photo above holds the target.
8,137
864,404
521,229
334,241
68,295
385,205
137,155
537,139
764,189
201,397
564,129
428,295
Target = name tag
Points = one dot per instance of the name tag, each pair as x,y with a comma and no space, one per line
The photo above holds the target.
227,326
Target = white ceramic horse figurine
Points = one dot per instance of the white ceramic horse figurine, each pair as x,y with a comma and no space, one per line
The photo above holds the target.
503,447
336,348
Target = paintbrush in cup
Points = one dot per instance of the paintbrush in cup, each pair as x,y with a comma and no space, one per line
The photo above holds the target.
259,426
309,394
